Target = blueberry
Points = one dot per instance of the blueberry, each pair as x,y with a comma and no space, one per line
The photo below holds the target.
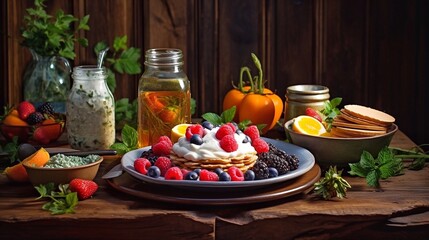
272,172
249,175
208,125
238,131
246,139
224,177
191,176
198,170
218,171
154,172
196,139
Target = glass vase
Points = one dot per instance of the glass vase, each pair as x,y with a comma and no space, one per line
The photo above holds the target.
47,79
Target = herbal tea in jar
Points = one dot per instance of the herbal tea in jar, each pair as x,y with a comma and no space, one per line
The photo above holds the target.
164,95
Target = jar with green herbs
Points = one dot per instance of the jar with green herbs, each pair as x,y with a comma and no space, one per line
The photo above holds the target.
90,110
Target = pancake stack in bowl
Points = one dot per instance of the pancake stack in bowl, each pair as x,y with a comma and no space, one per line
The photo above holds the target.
361,121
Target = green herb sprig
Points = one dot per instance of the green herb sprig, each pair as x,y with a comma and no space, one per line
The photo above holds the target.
386,165
61,202
11,148
330,111
332,184
129,140
48,35
416,154
228,116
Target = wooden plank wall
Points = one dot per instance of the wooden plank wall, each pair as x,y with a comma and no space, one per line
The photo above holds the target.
373,53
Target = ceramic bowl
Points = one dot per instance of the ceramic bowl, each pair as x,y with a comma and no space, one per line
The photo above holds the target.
38,134
42,175
335,151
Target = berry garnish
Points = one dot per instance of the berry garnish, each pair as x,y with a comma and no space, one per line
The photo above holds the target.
198,171
246,139
184,172
154,172
192,175
252,131
196,139
194,129
224,177
141,165
313,113
163,163
162,148
224,130
249,175
218,171
233,126
260,145
236,174
208,125
206,175
272,172
165,139
174,173
228,143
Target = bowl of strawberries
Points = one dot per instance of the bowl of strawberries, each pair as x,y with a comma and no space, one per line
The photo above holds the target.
27,123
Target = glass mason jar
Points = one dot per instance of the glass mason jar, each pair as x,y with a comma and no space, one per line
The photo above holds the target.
163,95
47,79
300,97
90,110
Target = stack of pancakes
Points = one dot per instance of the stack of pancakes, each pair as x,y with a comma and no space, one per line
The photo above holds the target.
243,162
361,121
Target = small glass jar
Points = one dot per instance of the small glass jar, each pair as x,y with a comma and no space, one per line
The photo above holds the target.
300,97
163,95
90,110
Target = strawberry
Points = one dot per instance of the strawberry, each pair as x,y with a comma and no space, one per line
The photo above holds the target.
236,174
162,148
25,108
260,145
228,143
163,163
224,130
173,173
252,131
206,175
141,165
194,129
84,188
313,113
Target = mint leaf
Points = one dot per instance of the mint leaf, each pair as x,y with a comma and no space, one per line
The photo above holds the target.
129,136
61,202
228,115
367,160
213,118
120,43
120,148
372,178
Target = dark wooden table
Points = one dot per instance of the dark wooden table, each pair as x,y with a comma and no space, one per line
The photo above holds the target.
399,210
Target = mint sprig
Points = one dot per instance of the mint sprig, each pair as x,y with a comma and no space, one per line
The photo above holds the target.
61,202
330,110
129,140
386,165
228,116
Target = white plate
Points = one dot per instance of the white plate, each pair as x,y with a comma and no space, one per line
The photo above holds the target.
306,162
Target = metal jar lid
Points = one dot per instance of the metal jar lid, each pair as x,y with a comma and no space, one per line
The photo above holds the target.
307,93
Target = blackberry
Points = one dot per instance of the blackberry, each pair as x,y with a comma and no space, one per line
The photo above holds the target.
281,164
35,118
46,108
149,155
293,162
261,170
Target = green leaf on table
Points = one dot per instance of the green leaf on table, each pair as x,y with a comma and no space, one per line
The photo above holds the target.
61,202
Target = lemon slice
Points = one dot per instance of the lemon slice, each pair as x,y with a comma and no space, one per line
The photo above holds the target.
308,125
178,131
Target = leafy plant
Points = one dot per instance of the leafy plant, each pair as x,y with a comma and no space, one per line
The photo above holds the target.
61,202
125,113
129,140
330,111
386,165
121,59
48,35
332,184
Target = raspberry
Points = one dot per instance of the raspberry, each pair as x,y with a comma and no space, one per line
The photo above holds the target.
232,125
228,143
206,175
184,171
236,174
163,163
260,145
162,148
194,129
173,173
165,139
141,165
252,132
223,131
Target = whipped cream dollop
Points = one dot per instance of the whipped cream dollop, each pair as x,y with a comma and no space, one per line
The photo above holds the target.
211,149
